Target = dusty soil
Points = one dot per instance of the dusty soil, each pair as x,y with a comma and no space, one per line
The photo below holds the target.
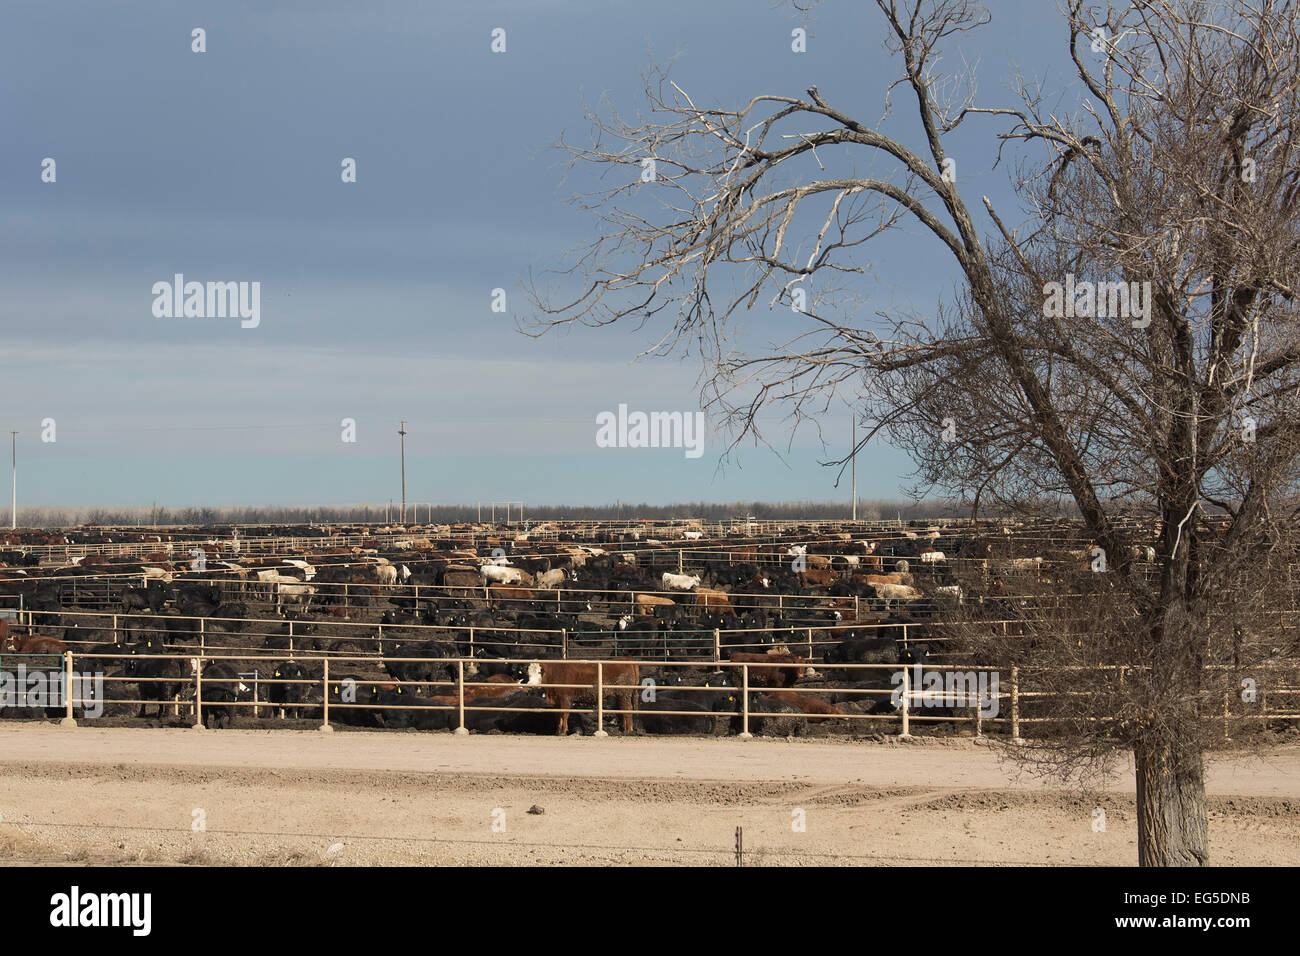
116,795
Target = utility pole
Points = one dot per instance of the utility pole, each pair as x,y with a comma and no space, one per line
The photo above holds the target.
855,467
402,431
13,448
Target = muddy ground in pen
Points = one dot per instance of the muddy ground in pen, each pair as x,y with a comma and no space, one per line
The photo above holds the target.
130,795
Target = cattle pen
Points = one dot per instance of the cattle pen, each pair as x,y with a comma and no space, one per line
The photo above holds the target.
434,667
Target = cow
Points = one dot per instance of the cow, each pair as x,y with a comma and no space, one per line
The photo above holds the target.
30,643
285,696
221,687
553,578
874,579
768,676
616,673
680,582
709,599
817,578
147,673
896,592
646,603
499,574
807,703
698,716
135,599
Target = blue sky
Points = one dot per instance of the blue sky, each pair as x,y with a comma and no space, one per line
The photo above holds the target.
375,295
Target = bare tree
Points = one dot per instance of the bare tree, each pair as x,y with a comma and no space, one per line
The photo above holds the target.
1127,348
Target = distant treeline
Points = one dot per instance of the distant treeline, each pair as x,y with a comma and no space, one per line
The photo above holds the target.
868,509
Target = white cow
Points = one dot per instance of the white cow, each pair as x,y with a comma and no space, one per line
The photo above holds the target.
295,593
896,592
498,574
680,582
552,578
933,557
692,535
387,574
309,571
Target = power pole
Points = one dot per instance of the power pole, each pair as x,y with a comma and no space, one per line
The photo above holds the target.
13,448
855,467
402,431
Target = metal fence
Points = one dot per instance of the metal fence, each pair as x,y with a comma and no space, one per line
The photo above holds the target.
978,707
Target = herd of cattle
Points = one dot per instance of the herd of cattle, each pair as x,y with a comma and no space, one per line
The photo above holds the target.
426,628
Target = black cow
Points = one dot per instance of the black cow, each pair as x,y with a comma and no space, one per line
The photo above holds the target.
351,690
220,687
698,721
394,712
146,671
286,696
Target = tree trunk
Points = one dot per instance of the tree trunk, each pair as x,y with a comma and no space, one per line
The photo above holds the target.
1173,829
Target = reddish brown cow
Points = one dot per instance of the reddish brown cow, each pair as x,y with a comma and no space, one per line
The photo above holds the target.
708,598
626,676
816,578
806,703
32,644
771,676
510,593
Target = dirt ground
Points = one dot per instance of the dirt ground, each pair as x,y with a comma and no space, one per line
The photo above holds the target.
119,795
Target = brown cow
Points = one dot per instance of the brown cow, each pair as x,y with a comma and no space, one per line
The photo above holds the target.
626,675
648,602
510,593
807,703
816,578
893,578
709,598
32,644
771,676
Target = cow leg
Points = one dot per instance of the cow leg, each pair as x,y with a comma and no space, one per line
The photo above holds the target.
627,701
562,725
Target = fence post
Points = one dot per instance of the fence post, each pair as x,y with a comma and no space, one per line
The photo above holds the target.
564,643
325,701
1015,706
68,720
717,645
907,693
198,693
471,641
460,730
809,644
744,703
600,700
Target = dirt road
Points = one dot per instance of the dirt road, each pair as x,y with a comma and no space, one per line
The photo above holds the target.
119,795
